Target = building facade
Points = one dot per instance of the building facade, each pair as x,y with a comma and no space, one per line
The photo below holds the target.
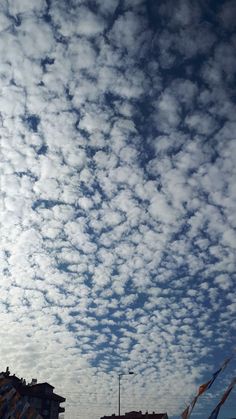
44,400
35,400
138,415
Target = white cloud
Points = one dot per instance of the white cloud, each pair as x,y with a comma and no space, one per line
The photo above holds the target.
125,31
168,112
117,227
202,123
18,6
31,34
161,210
78,20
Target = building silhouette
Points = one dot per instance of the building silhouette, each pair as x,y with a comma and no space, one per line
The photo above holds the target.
137,415
34,400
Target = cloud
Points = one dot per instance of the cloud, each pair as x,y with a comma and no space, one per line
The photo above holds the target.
202,123
117,199
227,14
23,7
76,20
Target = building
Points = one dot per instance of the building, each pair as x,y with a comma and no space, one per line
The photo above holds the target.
44,400
137,415
12,403
37,397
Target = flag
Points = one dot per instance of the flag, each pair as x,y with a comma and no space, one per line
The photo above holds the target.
187,412
193,402
215,412
209,383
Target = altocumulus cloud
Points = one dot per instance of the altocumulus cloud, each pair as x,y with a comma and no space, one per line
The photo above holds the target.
117,175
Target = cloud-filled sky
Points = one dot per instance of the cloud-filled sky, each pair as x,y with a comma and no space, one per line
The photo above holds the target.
118,199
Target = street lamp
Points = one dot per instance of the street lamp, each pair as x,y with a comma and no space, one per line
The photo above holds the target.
119,378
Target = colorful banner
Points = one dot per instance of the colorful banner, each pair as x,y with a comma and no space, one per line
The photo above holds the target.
187,412
215,412
209,383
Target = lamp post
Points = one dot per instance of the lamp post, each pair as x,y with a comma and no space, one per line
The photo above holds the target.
119,378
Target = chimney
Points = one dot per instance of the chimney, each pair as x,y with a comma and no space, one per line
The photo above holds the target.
33,382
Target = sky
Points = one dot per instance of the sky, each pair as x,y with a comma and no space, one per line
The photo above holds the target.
117,200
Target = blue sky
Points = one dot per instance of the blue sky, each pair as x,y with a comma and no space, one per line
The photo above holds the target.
117,194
